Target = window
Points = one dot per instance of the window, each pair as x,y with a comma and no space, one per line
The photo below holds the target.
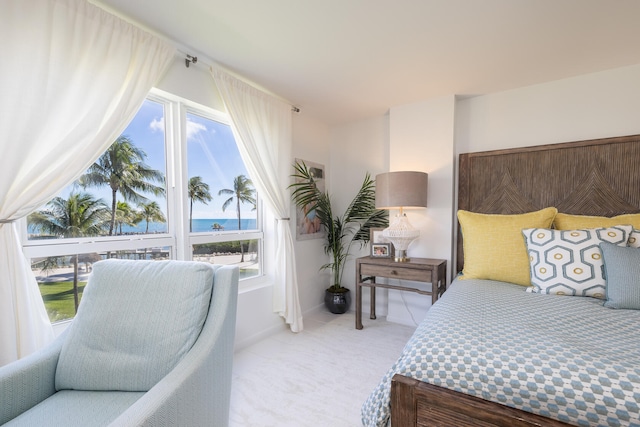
223,214
122,193
139,200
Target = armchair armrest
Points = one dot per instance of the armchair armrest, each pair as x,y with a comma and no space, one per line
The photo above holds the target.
28,381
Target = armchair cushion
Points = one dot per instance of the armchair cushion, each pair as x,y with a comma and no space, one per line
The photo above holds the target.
154,317
72,408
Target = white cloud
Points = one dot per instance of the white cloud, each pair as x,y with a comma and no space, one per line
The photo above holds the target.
193,129
157,125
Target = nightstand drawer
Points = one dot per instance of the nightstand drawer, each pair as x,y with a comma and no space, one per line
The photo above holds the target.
392,272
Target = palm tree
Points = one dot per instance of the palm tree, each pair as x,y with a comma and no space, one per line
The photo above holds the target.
125,215
243,193
48,265
199,192
79,215
342,231
151,212
122,168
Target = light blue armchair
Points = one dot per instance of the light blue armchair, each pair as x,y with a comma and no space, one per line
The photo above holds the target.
151,345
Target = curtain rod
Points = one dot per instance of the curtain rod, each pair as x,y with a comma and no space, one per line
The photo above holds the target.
192,59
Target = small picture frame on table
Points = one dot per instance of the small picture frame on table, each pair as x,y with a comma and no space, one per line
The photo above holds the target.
376,237
381,250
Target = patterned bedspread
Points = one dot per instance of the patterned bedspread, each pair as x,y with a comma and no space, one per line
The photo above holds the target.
567,358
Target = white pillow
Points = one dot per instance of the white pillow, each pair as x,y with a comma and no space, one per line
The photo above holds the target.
569,262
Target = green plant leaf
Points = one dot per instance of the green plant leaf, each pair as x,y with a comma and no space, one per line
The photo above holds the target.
342,231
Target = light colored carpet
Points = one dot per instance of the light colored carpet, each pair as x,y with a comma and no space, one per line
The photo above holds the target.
319,377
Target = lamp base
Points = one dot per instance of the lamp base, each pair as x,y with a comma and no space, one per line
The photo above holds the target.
401,256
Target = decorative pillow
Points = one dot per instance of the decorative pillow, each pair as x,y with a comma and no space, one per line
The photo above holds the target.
494,247
580,222
622,272
136,321
569,262
634,239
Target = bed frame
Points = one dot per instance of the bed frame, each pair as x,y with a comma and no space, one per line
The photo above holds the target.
595,177
416,403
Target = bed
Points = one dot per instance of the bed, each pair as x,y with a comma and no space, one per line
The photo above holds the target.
495,350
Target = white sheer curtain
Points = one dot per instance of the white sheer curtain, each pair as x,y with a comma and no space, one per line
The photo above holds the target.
262,126
71,79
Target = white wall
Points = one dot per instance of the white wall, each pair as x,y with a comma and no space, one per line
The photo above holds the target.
357,148
310,143
591,106
422,139
194,83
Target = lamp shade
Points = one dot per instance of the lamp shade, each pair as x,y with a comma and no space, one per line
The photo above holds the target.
396,190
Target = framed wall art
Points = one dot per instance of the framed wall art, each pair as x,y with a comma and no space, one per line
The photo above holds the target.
307,224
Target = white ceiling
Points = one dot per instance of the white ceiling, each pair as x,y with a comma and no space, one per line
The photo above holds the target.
345,60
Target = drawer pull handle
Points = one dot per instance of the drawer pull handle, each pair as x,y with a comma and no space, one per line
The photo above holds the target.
394,272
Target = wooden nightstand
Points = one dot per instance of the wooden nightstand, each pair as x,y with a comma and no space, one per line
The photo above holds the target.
428,270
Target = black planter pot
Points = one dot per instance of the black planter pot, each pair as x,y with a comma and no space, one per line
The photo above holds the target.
337,302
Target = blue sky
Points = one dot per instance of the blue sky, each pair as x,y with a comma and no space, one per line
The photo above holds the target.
211,154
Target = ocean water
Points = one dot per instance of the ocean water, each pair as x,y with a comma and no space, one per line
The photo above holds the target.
199,225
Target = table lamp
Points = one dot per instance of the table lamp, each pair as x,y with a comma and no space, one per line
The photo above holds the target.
401,190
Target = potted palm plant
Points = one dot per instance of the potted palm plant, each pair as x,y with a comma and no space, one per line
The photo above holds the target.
342,231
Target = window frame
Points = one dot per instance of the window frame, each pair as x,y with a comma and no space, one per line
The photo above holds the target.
177,238
185,107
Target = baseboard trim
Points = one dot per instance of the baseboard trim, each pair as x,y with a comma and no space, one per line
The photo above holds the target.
266,333
255,338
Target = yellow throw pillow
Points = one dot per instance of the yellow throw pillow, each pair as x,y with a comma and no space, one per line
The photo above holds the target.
494,247
580,222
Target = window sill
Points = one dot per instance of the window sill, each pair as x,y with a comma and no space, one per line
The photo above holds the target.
60,326
253,284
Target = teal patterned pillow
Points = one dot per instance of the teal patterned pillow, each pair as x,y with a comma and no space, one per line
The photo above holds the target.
622,272
569,262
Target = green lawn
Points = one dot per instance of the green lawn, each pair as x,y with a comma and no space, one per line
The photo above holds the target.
58,299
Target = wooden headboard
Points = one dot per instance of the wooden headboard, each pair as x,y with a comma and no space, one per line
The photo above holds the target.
596,177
